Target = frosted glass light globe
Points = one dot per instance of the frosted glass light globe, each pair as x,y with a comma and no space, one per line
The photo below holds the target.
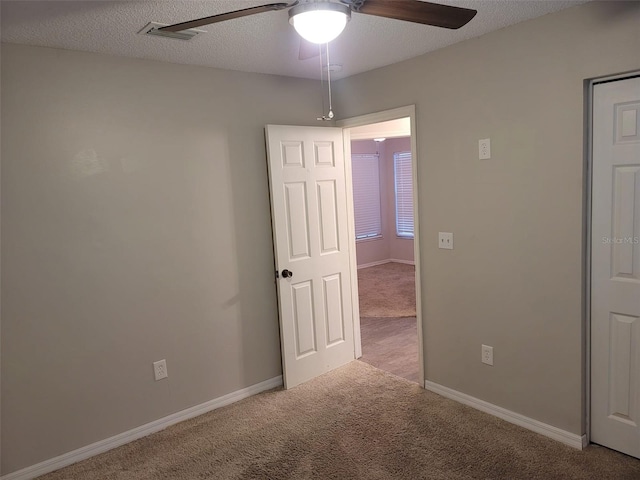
319,22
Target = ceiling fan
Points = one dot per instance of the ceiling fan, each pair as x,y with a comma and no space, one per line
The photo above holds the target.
320,21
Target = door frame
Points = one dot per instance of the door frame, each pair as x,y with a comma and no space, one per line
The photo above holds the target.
587,246
346,124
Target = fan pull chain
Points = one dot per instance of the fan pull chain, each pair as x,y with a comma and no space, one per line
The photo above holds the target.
321,81
328,116
329,84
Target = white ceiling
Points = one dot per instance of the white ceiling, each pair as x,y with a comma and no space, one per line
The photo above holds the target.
264,43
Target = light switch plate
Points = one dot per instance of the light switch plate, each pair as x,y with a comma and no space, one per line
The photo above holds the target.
484,149
445,240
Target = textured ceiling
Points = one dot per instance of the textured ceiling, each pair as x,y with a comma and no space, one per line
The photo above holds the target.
263,43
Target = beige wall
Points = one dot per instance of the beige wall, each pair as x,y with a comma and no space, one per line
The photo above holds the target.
135,227
389,246
514,280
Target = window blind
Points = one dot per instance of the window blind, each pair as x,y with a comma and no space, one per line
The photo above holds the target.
366,195
404,194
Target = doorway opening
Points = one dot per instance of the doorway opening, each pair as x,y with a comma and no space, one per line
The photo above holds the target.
383,168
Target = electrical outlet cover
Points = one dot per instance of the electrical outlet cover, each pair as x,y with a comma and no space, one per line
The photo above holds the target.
160,369
487,355
484,149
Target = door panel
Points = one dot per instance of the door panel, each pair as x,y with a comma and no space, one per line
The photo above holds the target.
626,223
328,217
297,220
624,385
309,215
615,267
334,319
303,318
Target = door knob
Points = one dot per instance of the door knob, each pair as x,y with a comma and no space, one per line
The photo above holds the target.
287,273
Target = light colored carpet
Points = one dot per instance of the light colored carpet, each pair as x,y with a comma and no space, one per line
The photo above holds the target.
356,422
387,290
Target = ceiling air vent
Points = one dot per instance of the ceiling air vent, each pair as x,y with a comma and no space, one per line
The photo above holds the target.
151,28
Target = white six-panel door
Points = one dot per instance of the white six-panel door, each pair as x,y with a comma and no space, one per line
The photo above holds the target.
310,229
615,263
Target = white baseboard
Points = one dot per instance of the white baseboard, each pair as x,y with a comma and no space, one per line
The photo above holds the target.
406,262
373,264
107,444
568,438
382,262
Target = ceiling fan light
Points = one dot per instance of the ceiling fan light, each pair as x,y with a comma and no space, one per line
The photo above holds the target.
319,22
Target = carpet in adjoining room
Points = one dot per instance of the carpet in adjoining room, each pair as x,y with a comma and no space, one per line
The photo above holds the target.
387,290
388,326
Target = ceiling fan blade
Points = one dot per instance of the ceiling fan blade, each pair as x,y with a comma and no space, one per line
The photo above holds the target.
308,50
225,16
419,12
